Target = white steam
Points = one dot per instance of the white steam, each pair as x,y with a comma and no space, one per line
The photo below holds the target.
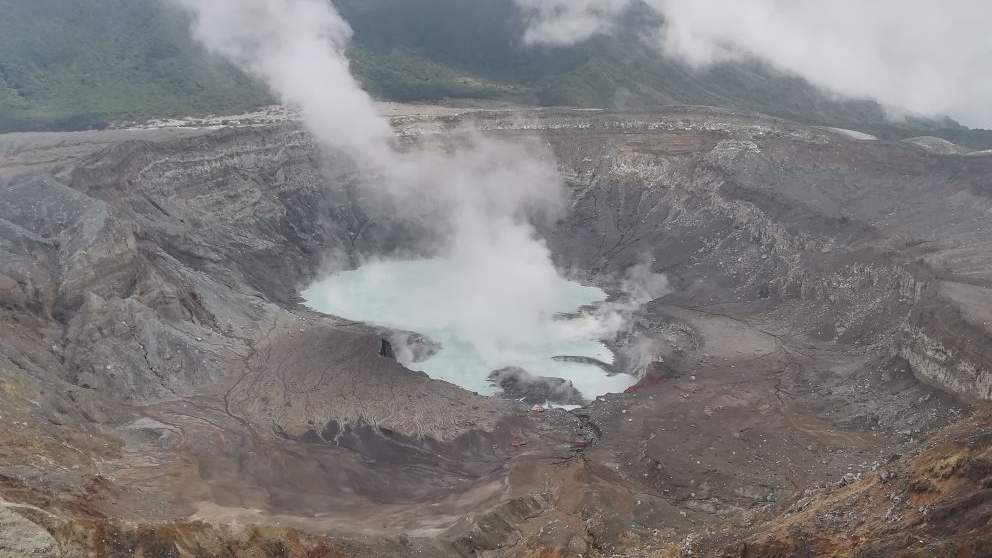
487,188
297,48
492,279
569,21
920,56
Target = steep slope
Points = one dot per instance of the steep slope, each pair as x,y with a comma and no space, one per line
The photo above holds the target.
935,502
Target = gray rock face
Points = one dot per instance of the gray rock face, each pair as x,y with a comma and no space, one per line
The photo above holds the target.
861,236
517,383
21,537
152,336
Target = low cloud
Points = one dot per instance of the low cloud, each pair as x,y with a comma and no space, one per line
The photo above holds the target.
912,56
569,21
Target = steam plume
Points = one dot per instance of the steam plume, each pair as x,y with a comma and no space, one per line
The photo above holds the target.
298,48
494,279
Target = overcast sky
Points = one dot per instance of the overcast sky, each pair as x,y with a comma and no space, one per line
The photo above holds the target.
922,56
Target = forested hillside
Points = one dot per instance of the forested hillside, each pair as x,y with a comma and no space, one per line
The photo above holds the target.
72,64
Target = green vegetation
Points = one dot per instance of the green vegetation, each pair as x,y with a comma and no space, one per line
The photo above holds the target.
67,64
71,64
401,75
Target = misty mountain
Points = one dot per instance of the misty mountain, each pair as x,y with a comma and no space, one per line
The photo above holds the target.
70,65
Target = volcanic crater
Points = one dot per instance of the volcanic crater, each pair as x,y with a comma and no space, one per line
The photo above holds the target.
816,378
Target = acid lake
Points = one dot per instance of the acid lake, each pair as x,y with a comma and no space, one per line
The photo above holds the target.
481,326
